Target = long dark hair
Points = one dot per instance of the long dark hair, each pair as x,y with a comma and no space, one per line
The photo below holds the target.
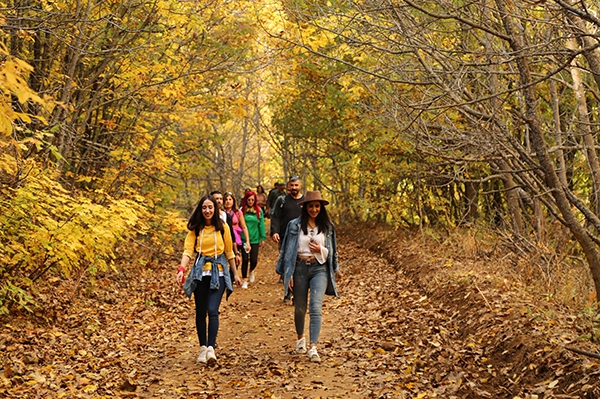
197,221
322,219
229,194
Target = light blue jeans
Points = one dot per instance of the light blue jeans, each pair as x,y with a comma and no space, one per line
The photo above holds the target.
313,277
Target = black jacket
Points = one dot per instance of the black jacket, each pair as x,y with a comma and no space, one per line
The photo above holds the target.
286,209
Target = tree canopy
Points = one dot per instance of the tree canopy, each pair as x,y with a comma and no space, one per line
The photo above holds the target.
117,116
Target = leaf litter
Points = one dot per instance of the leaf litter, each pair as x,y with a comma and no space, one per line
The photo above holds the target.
397,331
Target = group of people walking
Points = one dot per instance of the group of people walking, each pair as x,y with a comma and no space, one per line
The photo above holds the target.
222,237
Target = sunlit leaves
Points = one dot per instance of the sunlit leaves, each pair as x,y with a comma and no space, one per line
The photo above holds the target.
13,72
47,228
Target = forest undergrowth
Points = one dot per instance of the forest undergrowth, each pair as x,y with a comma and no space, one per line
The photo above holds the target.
418,317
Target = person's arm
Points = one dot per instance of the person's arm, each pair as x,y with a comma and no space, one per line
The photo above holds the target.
244,228
231,232
261,229
233,270
320,251
185,260
188,254
279,266
276,221
227,240
334,262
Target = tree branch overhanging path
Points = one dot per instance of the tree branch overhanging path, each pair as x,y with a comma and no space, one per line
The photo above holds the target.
468,80
467,121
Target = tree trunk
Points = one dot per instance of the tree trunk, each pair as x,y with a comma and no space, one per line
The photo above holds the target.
538,144
560,154
586,133
590,46
512,199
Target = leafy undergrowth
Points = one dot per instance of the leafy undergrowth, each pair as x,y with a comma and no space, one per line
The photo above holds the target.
405,326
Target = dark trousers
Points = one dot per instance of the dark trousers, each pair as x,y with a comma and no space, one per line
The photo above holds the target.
207,304
252,257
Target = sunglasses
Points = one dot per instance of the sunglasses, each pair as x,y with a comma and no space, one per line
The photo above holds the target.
294,177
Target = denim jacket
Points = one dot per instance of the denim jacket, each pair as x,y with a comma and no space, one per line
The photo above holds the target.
196,274
286,264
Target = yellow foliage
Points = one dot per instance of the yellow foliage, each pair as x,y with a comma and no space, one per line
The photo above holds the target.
12,83
46,227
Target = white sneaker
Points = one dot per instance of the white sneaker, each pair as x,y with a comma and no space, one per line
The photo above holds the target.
202,355
301,345
314,355
210,356
245,285
252,276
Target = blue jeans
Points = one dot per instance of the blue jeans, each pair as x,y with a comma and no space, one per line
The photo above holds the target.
207,303
313,277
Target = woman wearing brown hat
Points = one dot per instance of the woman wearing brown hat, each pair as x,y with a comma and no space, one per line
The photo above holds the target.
308,260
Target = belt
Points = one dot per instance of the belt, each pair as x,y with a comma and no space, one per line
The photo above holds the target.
309,260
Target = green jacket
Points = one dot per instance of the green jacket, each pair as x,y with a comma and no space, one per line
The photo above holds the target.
256,227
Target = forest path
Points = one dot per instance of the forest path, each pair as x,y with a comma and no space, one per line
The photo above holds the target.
384,337
255,351
396,331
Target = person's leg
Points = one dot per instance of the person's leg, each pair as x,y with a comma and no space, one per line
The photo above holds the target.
245,260
212,308
253,261
318,285
253,256
200,299
300,297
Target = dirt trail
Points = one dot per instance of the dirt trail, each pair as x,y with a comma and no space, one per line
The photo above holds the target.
391,334
255,349
385,337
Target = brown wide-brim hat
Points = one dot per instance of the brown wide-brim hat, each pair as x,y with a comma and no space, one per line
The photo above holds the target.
313,196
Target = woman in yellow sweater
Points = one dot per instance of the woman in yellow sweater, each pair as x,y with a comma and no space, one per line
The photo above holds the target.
210,275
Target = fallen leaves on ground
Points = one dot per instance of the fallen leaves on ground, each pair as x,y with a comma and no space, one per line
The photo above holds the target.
395,332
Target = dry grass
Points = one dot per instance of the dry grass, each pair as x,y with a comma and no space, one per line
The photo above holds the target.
536,278
533,268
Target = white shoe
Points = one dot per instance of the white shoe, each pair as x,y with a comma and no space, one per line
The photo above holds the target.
314,355
301,345
202,355
252,276
210,356
245,285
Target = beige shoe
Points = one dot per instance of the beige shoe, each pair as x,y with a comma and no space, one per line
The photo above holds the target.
210,356
202,355
301,345
314,355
